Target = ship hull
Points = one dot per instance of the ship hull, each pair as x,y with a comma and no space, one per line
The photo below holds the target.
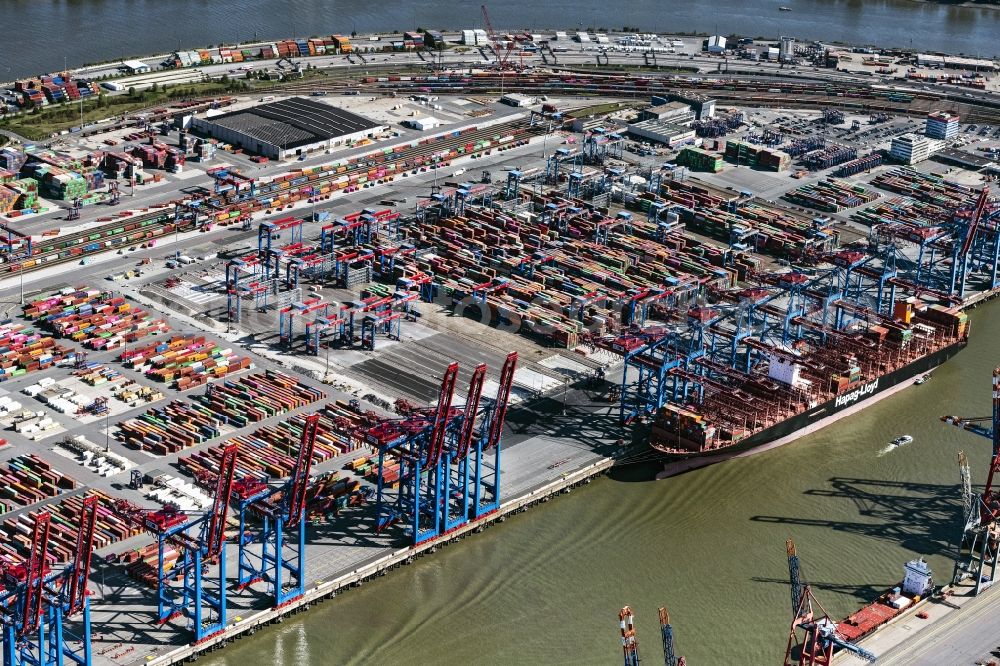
813,419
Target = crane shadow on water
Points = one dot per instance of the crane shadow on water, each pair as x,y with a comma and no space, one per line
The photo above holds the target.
921,517
864,592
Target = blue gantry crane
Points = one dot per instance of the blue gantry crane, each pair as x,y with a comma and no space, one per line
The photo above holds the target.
415,443
279,509
201,542
976,250
446,473
37,600
486,454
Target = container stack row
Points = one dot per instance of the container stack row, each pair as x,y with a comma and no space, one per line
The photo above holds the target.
236,403
66,519
254,398
271,451
171,428
96,319
185,361
926,188
23,350
831,195
552,282
915,221
29,479
382,166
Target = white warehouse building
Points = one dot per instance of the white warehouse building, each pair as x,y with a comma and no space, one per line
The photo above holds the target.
716,44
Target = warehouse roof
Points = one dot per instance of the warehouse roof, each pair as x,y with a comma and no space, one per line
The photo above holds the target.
135,66
664,127
294,122
963,159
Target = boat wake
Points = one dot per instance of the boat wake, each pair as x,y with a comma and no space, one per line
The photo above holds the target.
895,444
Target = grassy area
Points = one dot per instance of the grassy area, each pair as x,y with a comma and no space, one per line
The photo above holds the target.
43,123
601,109
40,124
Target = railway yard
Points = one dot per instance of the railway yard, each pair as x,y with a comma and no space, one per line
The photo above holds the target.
283,377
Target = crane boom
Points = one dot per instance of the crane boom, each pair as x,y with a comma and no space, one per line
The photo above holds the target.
989,505
36,573
84,552
630,647
669,654
494,42
300,478
471,407
794,575
441,414
977,215
220,505
968,499
503,397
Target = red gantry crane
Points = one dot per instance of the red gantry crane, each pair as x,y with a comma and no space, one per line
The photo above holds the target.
278,508
433,472
201,542
36,599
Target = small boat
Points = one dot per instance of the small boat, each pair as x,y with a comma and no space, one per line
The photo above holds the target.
902,441
784,9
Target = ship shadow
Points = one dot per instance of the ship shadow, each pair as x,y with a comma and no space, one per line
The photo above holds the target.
922,517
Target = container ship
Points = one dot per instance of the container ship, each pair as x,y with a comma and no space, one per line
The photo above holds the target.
804,387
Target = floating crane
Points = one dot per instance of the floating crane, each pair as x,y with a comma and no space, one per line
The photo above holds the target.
278,508
630,647
980,541
819,633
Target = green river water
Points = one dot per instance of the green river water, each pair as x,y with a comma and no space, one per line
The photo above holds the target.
546,586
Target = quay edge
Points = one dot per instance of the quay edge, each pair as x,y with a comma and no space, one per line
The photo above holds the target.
327,589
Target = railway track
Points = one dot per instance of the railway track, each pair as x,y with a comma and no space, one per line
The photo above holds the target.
864,98
148,226
126,232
